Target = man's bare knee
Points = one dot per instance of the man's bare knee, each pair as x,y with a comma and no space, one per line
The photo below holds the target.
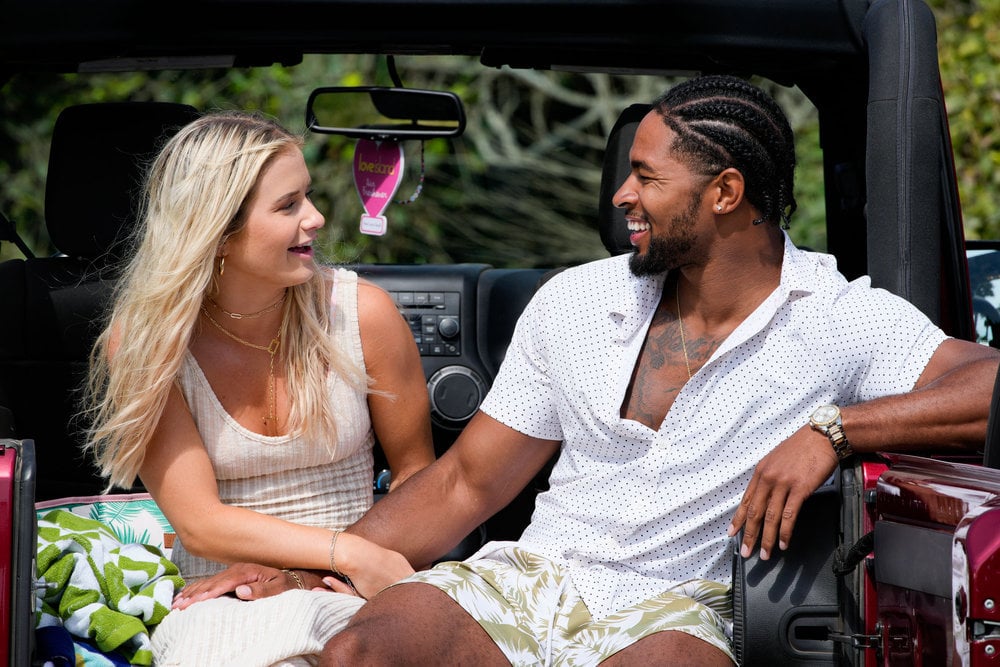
380,617
344,648
671,647
411,624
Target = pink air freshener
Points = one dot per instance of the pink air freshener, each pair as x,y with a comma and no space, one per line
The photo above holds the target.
378,170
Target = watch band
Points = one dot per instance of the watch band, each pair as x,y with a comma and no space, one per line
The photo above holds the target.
827,420
841,447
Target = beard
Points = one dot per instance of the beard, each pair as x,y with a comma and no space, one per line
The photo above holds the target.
666,254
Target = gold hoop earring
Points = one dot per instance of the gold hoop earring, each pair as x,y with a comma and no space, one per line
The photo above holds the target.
222,265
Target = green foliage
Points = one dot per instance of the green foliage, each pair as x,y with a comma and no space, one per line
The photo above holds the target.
968,51
520,187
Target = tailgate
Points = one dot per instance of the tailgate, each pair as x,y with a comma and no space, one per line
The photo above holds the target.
937,562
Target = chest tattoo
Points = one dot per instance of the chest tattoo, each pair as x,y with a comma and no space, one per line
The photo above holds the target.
661,370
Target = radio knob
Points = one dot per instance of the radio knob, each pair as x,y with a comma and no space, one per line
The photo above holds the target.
455,393
448,327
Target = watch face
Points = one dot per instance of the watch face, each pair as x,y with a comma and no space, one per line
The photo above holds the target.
825,414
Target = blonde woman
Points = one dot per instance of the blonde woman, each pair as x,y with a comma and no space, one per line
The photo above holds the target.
245,385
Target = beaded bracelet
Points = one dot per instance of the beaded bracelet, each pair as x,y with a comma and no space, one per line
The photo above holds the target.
295,577
333,559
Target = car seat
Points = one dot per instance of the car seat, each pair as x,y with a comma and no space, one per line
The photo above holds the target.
614,170
54,304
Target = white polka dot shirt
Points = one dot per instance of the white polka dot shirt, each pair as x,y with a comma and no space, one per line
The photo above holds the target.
632,511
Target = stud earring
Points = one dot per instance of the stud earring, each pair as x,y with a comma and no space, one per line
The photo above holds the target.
222,265
718,207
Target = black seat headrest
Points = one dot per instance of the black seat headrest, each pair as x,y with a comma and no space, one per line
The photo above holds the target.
616,168
97,161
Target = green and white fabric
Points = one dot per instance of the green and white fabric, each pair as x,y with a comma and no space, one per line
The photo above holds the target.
132,517
100,588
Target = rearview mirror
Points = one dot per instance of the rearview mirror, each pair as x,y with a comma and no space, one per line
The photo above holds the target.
379,113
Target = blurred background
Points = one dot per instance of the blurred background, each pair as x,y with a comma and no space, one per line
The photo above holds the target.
530,156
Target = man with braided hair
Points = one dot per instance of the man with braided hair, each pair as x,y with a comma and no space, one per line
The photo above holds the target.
708,382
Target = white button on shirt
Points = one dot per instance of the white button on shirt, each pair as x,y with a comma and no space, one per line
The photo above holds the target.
633,511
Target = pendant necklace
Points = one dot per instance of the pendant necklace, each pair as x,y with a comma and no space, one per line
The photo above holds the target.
680,324
272,349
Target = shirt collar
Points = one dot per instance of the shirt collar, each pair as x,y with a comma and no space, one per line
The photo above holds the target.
631,301
799,269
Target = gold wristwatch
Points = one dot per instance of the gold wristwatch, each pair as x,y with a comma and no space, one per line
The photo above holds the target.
826,419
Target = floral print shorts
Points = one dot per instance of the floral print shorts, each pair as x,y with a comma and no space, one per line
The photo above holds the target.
528,605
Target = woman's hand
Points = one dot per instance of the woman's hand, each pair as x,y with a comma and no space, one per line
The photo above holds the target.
368,567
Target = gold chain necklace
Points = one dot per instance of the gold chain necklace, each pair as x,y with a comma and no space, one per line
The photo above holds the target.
250,316
680,324
270,421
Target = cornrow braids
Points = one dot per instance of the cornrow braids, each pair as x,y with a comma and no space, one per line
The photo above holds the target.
723,121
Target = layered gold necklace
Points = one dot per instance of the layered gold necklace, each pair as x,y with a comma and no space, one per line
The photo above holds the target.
253,315
270,421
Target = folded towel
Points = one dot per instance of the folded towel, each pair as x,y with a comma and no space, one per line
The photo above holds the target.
99,588
286,630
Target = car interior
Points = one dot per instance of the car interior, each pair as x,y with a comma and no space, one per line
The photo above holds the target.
54,303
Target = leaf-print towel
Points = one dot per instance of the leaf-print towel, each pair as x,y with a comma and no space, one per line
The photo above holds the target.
99,588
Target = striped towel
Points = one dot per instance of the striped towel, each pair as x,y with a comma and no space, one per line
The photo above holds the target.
99,588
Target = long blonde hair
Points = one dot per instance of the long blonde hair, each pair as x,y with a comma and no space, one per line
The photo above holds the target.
197,192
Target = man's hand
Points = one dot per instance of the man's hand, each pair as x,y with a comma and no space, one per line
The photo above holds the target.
248,581
781,482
